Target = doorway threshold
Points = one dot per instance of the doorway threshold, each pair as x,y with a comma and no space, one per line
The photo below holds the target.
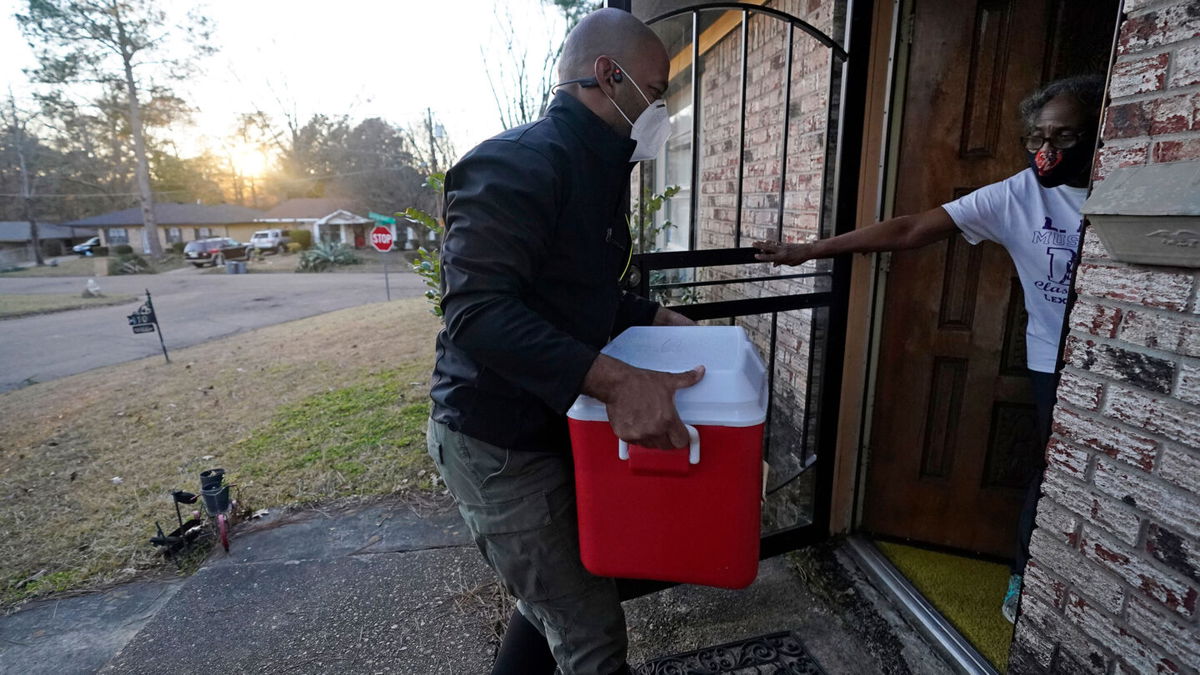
924,615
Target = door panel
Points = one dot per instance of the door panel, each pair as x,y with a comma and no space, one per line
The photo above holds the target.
953,430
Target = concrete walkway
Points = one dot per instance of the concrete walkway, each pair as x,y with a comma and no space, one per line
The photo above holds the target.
396,587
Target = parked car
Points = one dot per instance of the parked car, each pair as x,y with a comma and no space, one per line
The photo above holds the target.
86,248
214,251
270,240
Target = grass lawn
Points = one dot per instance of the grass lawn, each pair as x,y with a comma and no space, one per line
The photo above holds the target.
285,263
302,412
14,305
86,267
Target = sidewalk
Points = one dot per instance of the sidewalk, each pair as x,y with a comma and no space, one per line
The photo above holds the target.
397,587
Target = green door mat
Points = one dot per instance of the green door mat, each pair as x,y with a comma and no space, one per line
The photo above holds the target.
966,591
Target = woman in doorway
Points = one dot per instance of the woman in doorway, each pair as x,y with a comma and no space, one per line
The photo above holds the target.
1034,215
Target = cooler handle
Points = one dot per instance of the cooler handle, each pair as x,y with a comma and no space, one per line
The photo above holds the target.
693,446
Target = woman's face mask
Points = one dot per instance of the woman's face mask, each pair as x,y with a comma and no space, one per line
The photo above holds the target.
651,128
1054,167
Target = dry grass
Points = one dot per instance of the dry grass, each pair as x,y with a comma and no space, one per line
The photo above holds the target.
305,411
12,306
78,267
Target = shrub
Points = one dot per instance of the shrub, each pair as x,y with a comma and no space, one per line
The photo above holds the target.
294,247
100,251
128,263
52,247
122,249
177,247
302,237
326,255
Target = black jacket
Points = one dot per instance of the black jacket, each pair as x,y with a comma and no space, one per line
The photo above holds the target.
536,240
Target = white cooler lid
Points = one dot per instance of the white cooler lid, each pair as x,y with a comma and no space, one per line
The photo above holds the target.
733,392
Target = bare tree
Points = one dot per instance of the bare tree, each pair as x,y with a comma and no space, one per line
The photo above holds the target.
115,42
522,78
16,125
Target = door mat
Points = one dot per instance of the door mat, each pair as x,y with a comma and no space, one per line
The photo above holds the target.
774,653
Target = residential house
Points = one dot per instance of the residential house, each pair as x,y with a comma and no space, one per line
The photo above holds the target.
176,223
334,219
16,242
900,408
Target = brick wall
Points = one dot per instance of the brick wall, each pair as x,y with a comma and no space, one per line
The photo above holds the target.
797,334
1113,583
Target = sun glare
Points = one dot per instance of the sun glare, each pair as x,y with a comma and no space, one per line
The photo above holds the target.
249,162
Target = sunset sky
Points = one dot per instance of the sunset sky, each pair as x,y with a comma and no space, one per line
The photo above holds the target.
364,58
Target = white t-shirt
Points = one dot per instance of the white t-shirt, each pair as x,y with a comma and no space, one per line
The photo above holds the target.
1040,228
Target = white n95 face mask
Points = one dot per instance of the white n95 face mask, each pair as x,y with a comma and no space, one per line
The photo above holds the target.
651,128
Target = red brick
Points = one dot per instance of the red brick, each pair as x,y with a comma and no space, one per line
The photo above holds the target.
1178,640
1185,66
1056,524
1154,583
1079,391
1125,645
1173,551
1099,509
1138,76
1129,447
1150,288
1176,151
1113,156
1177,422
1040,624
1095,318
1059,562
1158,500
1164,26
1127,120
1187,389
1093,248
1146,371
1067,458
1175,114
1180,466
1043,586
1161,330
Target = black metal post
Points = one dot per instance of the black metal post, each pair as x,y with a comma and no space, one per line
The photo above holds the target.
157,326
741,156
787,124
695,186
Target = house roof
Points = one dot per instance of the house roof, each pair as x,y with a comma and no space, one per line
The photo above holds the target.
18,230
308,208
343,217
174,214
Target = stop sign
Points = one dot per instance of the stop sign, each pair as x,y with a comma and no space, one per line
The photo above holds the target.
381,239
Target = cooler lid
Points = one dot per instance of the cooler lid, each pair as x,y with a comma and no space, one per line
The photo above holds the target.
733,391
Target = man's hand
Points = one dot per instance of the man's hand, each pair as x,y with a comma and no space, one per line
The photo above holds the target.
783,254
641,403
666,317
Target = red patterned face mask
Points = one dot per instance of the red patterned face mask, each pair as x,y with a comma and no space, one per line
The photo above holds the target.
1053,166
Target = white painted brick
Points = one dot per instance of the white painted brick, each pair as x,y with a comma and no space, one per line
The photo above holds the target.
1187,389
1126,646
1152,497
1180,466
1103,436
1102,587
1177,421
1178,640
1162,290
1102,510
1079,391
1166,588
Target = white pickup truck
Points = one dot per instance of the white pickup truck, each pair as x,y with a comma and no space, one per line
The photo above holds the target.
273,241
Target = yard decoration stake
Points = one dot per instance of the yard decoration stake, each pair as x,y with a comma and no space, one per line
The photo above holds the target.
144,320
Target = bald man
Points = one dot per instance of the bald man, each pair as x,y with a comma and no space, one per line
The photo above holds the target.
536,244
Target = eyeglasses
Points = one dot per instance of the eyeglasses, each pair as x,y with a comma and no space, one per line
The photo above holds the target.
1060,141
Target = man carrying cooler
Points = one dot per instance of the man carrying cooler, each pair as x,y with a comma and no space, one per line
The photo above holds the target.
536,243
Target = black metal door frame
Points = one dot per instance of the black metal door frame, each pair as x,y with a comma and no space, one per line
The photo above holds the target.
848,82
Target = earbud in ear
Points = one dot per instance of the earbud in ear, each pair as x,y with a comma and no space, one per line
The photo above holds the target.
618,75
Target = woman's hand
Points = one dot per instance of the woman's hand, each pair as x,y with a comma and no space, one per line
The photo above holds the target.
778,253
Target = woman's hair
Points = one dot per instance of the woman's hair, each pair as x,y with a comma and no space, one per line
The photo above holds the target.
1087,89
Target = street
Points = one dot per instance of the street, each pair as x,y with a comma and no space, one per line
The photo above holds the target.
192,308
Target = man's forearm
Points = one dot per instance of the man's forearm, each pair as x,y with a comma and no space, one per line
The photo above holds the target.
889,235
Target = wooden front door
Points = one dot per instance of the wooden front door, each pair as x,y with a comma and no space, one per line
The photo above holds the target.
954,425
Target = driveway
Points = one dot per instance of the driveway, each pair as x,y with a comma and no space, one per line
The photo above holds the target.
192,307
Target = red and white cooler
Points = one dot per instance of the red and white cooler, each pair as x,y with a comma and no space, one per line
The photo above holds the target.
689,515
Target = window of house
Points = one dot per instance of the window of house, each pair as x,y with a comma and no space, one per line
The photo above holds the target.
174,234
117,235
674,168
